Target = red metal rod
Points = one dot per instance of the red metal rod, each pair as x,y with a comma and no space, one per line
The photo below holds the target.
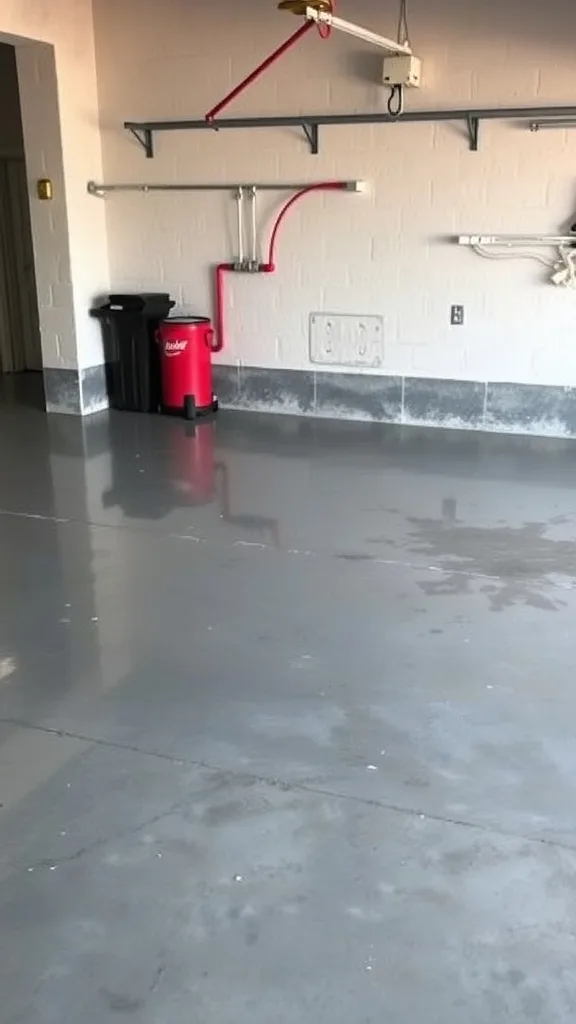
270,267
221,269
258,71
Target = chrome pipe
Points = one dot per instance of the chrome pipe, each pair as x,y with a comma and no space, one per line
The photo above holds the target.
240,224
102,189
253,242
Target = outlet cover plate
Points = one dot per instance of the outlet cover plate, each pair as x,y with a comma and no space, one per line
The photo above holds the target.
344,339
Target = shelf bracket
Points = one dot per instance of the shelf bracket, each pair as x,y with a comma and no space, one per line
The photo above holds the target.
311,132
144,137
473,125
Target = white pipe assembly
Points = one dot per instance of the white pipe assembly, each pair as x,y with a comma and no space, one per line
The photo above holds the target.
254,241
240,224
512,247
331,21
552,122
512,240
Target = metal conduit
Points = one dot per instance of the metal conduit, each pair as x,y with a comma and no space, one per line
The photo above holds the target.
102,189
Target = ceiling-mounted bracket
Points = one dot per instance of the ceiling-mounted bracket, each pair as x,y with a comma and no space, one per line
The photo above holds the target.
145,138
311,132
473,124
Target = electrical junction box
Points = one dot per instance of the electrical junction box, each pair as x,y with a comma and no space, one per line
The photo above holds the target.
403,69
342,339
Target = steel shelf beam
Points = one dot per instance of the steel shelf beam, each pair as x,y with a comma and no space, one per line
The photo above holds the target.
310,124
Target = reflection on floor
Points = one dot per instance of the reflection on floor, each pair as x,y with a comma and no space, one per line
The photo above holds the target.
286,722
27,389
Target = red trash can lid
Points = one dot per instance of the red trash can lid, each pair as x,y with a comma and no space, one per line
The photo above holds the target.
187,320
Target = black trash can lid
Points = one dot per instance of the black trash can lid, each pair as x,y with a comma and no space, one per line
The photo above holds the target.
141,301
152,305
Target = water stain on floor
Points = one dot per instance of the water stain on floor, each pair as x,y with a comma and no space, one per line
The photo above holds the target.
521,560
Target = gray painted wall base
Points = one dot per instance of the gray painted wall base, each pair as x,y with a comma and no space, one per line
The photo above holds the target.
75,392
538,409
542,410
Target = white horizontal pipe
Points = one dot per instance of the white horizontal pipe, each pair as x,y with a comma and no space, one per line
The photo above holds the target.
536,126
240,223
512,240
326,18
100,189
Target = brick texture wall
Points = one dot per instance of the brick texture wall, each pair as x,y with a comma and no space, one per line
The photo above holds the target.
386,252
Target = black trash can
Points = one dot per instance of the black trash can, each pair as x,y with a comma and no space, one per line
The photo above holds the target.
129,324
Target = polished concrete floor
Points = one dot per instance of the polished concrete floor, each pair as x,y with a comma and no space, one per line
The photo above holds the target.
287,723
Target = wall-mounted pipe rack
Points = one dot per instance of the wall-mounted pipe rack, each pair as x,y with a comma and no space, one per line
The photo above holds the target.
310,124
101,189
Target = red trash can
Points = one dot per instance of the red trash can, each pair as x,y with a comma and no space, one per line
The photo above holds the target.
185,344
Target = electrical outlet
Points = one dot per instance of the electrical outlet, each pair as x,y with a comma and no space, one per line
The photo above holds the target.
457,316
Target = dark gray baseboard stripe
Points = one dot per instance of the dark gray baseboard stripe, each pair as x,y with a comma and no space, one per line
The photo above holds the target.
542,410
62,390
75,392
538,409
94,392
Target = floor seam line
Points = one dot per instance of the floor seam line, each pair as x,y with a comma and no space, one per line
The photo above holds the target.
359,557
279,783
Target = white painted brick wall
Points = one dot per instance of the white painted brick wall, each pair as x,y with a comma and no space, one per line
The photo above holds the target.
382,253
69,232
49,219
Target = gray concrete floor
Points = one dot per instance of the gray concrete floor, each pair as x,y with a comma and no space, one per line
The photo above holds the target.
287,720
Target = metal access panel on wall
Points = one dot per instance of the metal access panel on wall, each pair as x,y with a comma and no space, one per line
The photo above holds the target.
346,340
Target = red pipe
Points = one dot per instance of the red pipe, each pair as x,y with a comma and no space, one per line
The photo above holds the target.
265,268
338,186
221,269
258,71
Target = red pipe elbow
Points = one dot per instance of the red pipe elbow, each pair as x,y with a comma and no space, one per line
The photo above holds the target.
221,269
323,186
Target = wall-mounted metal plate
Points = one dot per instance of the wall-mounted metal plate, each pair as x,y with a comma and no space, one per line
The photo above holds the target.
342,339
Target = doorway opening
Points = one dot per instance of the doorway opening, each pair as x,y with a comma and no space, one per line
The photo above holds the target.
20,347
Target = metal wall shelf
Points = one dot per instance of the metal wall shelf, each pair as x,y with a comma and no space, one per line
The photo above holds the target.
144,131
